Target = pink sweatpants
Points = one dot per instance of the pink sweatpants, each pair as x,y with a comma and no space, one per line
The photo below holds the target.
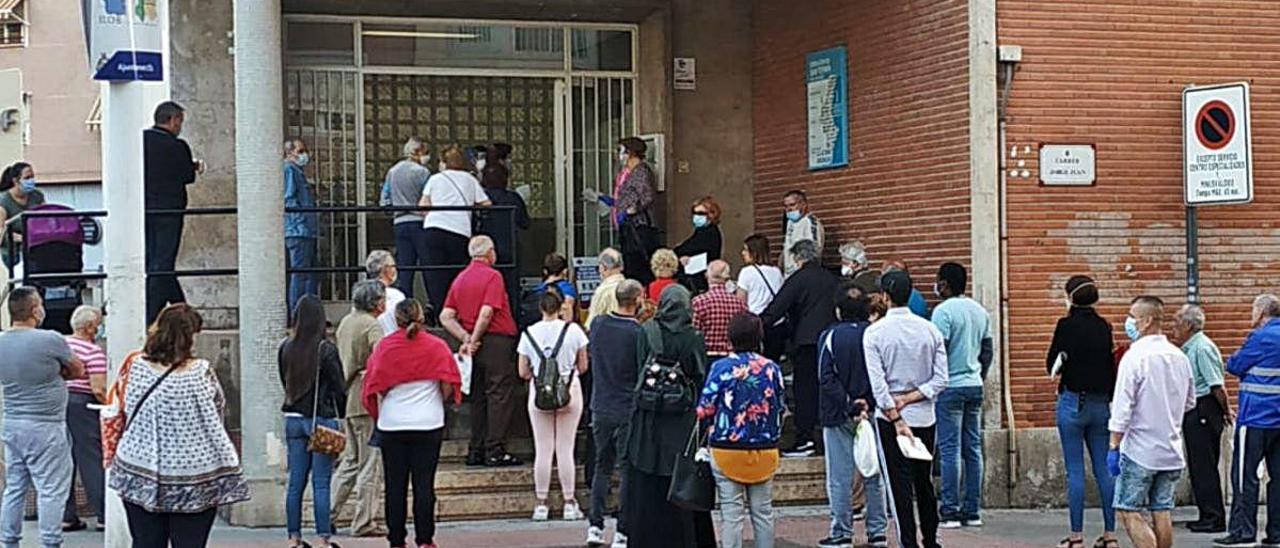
554,433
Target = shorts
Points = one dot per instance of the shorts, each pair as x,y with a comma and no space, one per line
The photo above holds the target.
1139,489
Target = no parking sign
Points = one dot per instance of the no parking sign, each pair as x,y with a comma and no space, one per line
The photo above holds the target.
1217,145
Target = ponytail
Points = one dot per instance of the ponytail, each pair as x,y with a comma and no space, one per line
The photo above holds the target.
409,317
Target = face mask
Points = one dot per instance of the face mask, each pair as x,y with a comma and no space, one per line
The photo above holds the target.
622,155
937,290
480,164
28,184
302,160
441,166
101,333
700,221
793,216
424,160
1131,328
846,270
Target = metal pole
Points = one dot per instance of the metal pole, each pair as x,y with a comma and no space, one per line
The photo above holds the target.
1193,257
123,118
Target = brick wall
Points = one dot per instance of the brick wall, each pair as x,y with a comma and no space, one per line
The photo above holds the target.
1111,72
905,192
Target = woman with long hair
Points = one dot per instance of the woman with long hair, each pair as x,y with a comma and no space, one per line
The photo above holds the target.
1082,352
314,395
18,193
175,464
410,375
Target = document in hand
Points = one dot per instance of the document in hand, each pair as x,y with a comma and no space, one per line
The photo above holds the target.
697,264
913,448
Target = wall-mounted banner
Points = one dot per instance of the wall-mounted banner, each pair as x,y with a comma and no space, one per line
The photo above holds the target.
826,81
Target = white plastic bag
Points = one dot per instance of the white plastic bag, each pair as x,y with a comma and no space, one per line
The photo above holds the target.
464,369
864,449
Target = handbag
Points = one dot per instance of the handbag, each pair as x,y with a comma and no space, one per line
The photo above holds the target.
324,440
693,488
114,424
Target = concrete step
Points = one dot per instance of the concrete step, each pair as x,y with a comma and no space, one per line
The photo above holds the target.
473,493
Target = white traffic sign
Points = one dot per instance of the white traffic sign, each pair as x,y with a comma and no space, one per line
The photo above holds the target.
126,39
1217,145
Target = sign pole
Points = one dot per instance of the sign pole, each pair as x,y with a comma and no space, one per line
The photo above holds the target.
1193,257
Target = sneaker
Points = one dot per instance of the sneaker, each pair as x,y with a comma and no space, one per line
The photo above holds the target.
541,512
595,536
502,460
949,524
1232,541
878,541
801,449
619,541
836,542
859,513
572,512
975,522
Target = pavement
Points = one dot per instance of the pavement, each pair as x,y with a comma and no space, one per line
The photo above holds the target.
797,527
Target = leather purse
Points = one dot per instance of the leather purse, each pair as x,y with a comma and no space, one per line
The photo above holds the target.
693,487
324,440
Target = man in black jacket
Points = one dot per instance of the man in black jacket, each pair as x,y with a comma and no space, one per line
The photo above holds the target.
168,169
807,300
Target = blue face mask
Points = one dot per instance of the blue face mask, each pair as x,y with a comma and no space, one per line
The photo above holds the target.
793,216
700,221
1131,329
302,160
28,185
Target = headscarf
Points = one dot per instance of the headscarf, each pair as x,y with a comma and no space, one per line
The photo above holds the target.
675,310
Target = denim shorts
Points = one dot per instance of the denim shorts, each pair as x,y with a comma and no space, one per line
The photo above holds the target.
1139,489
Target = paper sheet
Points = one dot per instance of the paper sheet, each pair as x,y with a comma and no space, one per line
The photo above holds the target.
697,264
913,448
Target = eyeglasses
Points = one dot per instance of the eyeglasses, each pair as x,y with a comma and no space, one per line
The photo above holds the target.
700,212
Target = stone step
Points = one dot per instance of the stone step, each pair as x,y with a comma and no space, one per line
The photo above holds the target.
464,493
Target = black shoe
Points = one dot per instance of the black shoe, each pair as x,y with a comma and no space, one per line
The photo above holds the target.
1232,541
836,542
800,449
475,459
878,542
77,525
859,513
1271,542
1209,527
502,460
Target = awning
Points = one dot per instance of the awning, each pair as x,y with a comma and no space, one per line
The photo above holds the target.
7,8
94,121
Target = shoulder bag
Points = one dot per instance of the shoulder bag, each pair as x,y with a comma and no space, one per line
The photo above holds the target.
324,440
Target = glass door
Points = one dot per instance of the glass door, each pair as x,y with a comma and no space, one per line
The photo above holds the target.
601,111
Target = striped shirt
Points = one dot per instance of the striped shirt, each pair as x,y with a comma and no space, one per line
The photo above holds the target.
95,363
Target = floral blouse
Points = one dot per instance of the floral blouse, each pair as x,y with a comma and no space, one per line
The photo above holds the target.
741,404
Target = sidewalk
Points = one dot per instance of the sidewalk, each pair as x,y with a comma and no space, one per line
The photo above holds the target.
797,527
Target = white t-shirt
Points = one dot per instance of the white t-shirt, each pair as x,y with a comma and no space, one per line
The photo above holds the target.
412,406
545,333
452,188
388,316
762,283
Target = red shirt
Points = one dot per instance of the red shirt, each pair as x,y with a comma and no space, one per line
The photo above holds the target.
656,287
712,312
476,286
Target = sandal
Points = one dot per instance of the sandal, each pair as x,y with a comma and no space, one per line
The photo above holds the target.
1104,542
1067,542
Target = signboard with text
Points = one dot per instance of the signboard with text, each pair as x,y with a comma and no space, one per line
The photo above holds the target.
1217,143
827,86
586,277
125,39
1067,165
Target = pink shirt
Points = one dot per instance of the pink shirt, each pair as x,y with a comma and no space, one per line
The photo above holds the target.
95,363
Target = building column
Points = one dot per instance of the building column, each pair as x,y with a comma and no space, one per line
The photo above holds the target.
259,119
984,189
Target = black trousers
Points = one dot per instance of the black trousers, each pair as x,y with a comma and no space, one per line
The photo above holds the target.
411,456
163,239
161,530
638,244
911,481
1254,446
611,436
447,249
86,450
1202,432
805,376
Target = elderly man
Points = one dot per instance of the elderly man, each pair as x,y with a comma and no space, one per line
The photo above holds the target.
1202,427
855,267
167,170
37,453
403,188
381,267
603,300
807,300
300,229
360,466
477,312
82,422
907,366
1257,426
713,310
1153,392
798,225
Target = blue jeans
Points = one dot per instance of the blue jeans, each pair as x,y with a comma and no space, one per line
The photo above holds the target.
411,250
302,254
840,470
301,463
1082,421
1140,489
35,454
960,438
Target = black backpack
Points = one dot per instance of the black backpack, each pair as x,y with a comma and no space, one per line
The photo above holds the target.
530,310
663,386
551,389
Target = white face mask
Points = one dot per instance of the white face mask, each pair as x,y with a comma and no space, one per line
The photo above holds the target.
846,270
480,164
622,155
442,166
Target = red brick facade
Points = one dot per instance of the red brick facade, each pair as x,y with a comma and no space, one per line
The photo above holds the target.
905,191
1111,72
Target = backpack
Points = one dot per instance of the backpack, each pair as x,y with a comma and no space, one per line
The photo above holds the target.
530,309
663,387
551,389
